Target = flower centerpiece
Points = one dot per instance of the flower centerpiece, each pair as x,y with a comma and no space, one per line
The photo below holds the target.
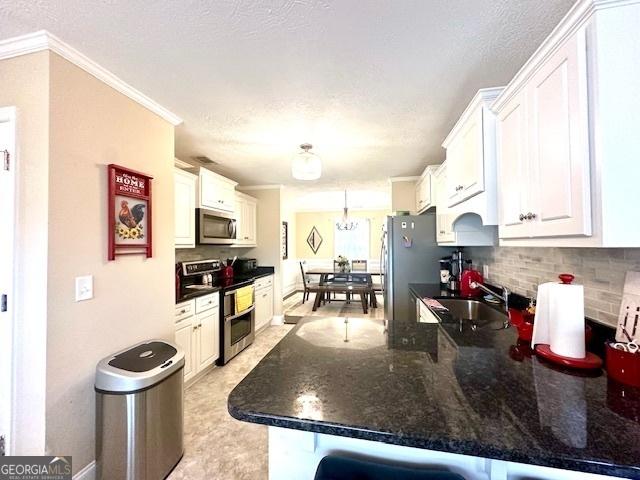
343,263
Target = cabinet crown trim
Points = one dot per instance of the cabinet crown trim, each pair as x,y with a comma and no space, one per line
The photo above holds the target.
484,96
575,18
222,178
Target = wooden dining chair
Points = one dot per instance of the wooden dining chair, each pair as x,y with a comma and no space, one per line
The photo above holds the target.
308,285
358,265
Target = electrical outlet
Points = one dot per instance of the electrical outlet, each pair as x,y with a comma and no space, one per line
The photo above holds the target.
84,288
485,271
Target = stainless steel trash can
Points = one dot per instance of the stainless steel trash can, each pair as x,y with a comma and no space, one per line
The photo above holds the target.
139,412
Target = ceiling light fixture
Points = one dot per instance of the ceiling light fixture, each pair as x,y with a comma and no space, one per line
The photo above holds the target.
306,165
346,223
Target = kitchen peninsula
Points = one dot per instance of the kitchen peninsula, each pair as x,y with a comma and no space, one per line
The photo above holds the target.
450,394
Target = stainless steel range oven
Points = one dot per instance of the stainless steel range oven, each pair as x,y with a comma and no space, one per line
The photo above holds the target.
238,328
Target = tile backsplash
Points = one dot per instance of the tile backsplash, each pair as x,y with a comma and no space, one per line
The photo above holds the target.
601,271
205,252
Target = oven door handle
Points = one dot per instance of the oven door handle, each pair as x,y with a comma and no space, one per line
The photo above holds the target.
232,317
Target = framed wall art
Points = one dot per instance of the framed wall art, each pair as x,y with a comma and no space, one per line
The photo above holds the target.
129,212
314,240
285,240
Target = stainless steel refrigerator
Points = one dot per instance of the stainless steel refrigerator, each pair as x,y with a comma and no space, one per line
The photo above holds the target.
409,254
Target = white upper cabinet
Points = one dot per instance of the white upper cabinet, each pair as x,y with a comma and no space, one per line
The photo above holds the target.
513,170
216,192
471,150
184,208
558,143
471,185
444,227
567,134
425,189
543,150
246,217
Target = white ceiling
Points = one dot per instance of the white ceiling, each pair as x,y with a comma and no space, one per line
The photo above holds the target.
375,85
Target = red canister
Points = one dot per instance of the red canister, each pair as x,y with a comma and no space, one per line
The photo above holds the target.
622,366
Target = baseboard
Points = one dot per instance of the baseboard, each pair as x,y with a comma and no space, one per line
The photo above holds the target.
277,320
87,473
292,293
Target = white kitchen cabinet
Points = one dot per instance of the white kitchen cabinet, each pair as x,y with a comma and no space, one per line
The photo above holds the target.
264,302
184,336
444,226
513,169
425,189
197,332
543,148
471,150
208,337
246,216
215,191
184,184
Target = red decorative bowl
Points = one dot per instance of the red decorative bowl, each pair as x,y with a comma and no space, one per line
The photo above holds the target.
622,366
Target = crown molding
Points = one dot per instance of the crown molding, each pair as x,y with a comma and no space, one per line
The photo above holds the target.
43,40
575,19
260,187
404,179
484,96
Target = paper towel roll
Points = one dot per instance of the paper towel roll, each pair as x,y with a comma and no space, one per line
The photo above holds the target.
566,326
541,332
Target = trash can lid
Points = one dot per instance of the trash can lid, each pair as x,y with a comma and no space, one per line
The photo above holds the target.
138,367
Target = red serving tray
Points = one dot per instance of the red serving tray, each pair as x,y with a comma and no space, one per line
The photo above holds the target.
590,362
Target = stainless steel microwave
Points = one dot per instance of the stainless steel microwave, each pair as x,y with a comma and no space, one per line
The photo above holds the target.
215,228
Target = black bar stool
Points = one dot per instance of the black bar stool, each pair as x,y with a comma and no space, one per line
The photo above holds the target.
333,467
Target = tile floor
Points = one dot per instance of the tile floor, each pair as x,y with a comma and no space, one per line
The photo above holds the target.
218,447
293,306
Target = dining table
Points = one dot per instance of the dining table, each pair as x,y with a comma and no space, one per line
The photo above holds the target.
327,275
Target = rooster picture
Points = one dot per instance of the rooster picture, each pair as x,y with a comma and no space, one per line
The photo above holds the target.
130,220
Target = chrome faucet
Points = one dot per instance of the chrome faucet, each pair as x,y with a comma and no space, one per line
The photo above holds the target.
504,298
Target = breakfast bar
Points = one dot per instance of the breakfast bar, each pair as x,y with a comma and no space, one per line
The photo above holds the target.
457,395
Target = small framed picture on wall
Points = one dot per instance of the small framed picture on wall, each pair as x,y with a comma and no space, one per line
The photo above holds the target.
285,240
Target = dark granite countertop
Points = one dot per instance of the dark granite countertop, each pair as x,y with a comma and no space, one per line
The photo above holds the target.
189,294
442,387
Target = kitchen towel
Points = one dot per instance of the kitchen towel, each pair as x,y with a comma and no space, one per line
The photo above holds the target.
559,320
244,298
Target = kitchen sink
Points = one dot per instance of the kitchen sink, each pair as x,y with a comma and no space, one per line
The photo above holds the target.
477,312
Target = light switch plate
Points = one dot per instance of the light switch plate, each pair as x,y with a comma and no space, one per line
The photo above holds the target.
84,288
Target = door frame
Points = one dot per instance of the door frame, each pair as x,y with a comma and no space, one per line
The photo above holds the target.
7,275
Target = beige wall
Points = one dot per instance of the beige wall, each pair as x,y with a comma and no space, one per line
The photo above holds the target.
92,125
290,267
403,196
325,223
24,84
268,237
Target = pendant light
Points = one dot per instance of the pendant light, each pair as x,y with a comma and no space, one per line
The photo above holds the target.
346,223
306,165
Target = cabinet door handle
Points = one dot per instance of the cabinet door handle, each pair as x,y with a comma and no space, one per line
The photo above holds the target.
521,217
199,325
184,310
264,296
195,327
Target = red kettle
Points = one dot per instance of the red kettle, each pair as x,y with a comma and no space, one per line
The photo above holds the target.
469,277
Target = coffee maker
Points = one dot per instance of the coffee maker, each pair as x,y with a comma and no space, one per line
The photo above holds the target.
457,267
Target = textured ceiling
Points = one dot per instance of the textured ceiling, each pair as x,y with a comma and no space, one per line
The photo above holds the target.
375,85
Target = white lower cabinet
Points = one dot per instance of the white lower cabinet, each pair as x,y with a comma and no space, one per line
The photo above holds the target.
264,302
198,334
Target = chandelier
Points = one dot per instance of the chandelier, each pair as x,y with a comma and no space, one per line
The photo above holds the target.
306,165
346,223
